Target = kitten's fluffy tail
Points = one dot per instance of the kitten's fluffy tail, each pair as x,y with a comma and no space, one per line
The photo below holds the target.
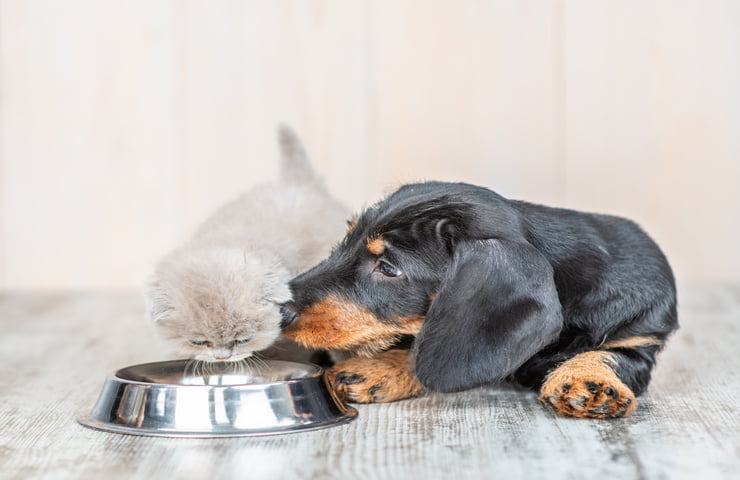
294,164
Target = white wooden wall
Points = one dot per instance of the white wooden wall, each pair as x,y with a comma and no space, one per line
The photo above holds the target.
124,123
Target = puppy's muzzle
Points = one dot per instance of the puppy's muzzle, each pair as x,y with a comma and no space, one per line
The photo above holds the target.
289,314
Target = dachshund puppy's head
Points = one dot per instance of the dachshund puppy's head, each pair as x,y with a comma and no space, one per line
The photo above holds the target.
447,263
378,283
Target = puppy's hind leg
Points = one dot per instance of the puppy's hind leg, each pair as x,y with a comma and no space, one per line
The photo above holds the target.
602,383
587,387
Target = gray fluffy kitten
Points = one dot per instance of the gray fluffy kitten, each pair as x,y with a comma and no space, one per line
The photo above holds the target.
216,298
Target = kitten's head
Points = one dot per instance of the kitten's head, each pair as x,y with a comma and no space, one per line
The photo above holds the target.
217,304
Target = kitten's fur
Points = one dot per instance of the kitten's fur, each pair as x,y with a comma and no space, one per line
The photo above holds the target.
223,288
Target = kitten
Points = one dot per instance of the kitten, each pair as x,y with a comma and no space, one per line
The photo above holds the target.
217,297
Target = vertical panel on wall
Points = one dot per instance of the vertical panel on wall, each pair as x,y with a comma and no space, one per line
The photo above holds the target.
87,138
230,63
124,124
334,77
652,115
244,67
4,274
465,92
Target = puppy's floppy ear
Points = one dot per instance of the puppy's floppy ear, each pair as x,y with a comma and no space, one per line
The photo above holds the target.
496,308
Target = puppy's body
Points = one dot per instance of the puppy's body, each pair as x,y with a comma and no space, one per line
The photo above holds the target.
217,296
572,303
613,284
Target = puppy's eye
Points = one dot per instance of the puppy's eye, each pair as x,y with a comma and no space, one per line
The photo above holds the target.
387,269
199,343
241,341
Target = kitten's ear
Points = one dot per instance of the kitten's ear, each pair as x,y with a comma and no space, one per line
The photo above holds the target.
158,305
275,286
280,294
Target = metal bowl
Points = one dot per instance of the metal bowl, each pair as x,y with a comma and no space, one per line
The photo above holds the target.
182,398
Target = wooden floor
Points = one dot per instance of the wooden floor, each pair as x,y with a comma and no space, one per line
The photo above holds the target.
56,350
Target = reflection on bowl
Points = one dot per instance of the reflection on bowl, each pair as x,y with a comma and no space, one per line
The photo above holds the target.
184,398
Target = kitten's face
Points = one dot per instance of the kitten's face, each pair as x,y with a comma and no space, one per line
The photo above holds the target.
217,305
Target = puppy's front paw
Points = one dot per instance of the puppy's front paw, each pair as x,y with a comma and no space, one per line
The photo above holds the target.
586,387
385,377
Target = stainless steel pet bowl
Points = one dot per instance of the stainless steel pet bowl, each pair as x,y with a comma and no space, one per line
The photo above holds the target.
182,398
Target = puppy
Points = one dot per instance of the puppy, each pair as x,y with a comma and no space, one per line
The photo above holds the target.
574,304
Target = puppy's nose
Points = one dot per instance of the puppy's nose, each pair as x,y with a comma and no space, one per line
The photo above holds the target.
289,314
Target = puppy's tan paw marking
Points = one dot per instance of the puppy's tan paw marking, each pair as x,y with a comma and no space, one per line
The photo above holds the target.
586,387
384,377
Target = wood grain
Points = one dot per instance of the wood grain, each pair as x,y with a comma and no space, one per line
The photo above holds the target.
652,124
56,349
123,124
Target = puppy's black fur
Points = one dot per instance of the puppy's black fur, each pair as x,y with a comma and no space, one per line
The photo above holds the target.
508,289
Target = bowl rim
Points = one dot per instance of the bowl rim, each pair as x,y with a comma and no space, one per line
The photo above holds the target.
317,374
348,414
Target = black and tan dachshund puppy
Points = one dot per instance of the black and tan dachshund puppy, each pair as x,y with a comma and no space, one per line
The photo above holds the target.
574,304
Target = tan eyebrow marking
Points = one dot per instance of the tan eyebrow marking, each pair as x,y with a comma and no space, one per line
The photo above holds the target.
376,245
